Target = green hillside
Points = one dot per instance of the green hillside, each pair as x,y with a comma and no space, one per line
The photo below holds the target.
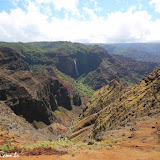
135,53
82,66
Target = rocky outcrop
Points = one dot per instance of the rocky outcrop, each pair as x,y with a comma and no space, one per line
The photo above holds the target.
34,96
114,105
63,62
11,60
77,100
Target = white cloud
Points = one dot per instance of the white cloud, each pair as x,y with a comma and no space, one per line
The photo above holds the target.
33,25
129,26
68,5
32,7
157,5
132,8
140,6
96,7
19,26
90,12
15,2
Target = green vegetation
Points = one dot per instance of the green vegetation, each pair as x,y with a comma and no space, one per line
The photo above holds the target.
79,87
72,147
57,112
96,67
66,47
34,54
140,52
64,145
37,68
7,147
29,52
115,105
127,82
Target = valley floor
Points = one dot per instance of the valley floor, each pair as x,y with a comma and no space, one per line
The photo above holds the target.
141,141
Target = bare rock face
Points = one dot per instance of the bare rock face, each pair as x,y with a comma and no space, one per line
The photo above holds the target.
33,96
62,61
76,100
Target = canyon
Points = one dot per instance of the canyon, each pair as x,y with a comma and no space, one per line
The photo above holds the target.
75,92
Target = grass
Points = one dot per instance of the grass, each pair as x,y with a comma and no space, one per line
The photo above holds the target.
66,145
79,87
57,112
6,147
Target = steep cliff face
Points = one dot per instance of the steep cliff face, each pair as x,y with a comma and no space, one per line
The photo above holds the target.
98,67
87,62
63,62
115,105
127,70
33,96
91,65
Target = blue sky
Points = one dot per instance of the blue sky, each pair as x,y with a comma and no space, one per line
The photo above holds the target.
95,21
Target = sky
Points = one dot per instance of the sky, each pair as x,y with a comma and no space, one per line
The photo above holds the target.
84,21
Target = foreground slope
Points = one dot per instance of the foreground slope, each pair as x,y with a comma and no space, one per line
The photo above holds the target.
115,106
138,141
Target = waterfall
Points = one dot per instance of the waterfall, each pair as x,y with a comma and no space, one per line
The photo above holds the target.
75,64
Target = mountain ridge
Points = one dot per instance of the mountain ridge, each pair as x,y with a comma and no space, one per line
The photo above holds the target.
114,106
132,52
96,66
